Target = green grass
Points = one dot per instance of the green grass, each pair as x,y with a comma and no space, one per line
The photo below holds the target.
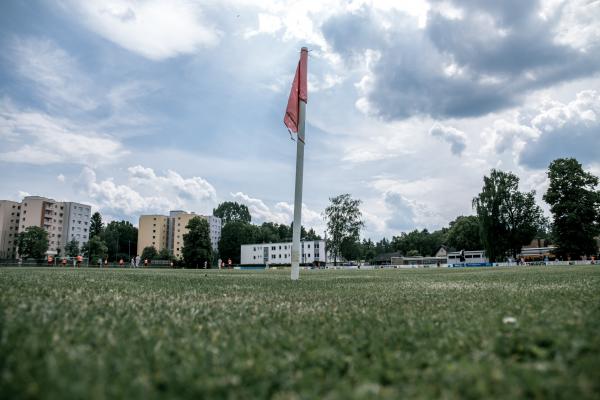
335,334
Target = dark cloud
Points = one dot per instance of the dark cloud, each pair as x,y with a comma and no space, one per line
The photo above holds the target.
482,61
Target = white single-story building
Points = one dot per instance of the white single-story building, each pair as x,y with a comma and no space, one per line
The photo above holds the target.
472,258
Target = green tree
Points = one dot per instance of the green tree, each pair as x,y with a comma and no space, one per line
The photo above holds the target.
164,254
464,233
350,249
33,243
121,239
575,206
232,211
233,235
96,225
508,219
72,248
149,253
95,248
368,250
344,222
197,248
311,235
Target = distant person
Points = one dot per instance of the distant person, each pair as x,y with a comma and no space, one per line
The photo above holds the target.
145,262
121,262
106,262
64,262
137,261
79,260
132,262
205,264
100,262
229,262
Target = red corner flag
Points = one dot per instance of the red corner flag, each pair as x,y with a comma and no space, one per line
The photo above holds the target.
299,92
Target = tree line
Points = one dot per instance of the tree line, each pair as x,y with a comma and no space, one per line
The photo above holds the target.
505,220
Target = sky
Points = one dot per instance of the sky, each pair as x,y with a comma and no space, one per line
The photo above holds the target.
141,107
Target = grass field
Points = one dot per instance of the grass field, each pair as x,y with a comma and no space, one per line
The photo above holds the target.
469,333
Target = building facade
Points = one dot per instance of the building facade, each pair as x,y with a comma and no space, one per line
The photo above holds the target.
63,221
163,231
77,217
10,214
152,231
313,252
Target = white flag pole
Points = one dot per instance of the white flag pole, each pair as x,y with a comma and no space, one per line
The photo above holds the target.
296,247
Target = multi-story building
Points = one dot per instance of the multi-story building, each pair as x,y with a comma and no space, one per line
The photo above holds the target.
10,212
63,221
45,213
152,231
77,218
313,252
172,229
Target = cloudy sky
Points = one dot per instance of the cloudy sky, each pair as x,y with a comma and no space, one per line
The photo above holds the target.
145,106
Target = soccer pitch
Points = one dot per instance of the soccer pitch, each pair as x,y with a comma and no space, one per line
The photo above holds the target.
468,333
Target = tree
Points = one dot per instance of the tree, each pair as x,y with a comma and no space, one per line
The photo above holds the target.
350,249
164,254
312,235
95,249
508,219
233,235
575,205
149,253
232,211
33,243
368,250
96,226
197,248
464,233
121,239
72,248
344,221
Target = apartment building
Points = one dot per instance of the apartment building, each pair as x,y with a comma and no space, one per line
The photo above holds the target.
313,252
45,213
152,231
10,212
63,221
172,229
77,219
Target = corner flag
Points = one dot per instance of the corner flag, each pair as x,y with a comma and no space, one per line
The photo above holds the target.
295,116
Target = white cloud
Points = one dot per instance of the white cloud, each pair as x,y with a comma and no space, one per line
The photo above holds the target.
281,213
38,138
154,29
194,189
147,192
56,74
456,138
552,130
60,178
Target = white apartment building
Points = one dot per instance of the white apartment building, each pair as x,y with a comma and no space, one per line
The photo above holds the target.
313,251
77,222
10,212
